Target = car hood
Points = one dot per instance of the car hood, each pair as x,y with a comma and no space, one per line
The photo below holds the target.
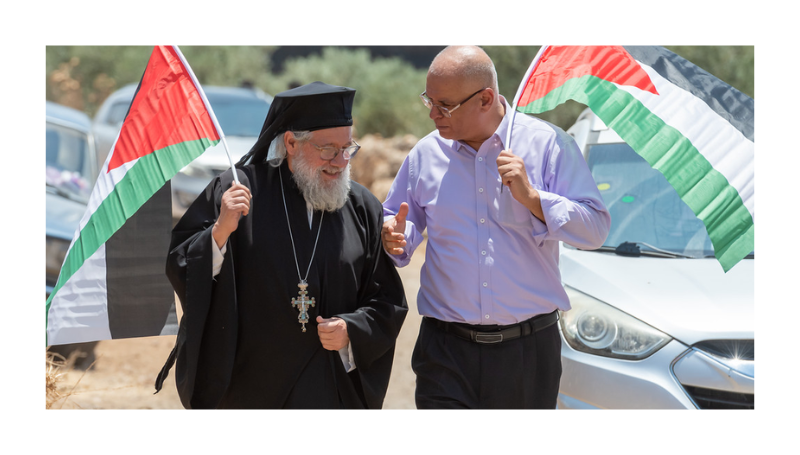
216,157
63,216
689,299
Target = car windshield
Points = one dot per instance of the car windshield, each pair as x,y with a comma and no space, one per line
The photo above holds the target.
239,116
644,207
68,166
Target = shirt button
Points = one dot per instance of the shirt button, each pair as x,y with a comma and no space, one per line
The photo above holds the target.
480,190
483,252
483,220
485,284
480,158
487,316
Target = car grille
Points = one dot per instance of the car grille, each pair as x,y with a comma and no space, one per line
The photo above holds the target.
733,354
729,349
720,399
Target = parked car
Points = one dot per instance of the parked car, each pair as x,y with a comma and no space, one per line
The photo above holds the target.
240,112
71,170
655,322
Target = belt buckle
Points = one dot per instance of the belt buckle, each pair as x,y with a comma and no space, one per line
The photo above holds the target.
488,337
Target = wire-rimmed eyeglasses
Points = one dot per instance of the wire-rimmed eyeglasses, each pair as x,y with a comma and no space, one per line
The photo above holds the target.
329,153
447,112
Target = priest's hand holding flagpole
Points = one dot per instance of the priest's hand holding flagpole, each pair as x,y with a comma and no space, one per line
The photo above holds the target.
169,123
235,204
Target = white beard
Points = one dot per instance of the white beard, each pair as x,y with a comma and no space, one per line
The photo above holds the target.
322,195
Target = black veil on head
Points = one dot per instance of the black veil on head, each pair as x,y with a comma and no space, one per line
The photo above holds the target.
310,107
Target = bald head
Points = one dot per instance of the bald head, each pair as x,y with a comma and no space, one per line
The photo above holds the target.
469,63
454,74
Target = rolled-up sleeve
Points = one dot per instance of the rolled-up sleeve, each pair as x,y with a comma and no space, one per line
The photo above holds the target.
572,205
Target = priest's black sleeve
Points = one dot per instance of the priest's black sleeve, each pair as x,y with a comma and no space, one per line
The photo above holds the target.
373,328
206,342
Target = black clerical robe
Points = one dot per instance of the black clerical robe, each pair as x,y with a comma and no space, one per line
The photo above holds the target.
240,344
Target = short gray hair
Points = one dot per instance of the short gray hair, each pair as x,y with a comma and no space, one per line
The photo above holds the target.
277,148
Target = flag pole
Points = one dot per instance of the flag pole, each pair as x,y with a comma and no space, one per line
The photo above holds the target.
210,111
517,97
522,89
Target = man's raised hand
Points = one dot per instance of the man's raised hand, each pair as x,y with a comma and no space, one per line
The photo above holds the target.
393,232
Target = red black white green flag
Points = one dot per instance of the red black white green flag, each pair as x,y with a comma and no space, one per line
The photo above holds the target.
112,282
689,125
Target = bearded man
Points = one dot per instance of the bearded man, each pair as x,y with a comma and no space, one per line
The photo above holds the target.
288,299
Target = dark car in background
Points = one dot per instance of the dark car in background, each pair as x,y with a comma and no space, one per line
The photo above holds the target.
71,170
240,112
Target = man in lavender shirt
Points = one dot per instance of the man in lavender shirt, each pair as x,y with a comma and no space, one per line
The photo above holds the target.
490,287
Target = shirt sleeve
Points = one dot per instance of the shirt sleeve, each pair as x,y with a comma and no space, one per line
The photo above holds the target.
572,205
346,354
217,257
402,191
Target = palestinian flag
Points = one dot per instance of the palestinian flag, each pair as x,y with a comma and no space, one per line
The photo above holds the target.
688,124
112,283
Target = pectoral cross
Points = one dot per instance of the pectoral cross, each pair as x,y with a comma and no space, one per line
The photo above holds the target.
302,303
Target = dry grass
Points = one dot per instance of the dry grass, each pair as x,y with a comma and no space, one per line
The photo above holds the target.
56,367
54,364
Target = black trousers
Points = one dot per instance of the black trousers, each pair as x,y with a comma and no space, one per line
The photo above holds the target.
454,373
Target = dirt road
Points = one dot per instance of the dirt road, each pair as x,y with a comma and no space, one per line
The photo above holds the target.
124,372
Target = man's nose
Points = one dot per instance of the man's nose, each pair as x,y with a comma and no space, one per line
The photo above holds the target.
435,113
339,160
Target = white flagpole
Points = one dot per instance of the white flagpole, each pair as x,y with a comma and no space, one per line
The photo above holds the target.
210,111
517,96
520,90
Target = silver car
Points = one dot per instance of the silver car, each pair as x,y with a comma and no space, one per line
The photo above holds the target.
655,322
71,170
240,112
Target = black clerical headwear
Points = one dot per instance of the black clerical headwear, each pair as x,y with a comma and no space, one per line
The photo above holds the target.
310,107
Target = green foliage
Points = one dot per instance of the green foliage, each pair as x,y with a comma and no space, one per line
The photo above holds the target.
387,89
386,101
83,76
230,65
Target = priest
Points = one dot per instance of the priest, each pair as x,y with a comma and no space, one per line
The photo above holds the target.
288,298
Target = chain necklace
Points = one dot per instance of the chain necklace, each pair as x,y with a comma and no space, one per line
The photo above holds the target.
301,302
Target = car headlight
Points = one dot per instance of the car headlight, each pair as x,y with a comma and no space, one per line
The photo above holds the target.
56,250
594,327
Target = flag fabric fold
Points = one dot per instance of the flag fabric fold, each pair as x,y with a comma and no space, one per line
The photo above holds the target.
112,282
689,125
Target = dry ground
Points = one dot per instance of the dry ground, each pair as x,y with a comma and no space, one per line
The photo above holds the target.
125,370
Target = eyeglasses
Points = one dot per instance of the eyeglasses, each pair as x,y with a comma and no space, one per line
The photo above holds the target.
447,112
329,153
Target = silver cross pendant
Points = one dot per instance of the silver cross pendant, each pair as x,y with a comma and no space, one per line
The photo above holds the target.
302,303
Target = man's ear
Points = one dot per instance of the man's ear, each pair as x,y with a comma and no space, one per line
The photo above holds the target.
290,142
487,99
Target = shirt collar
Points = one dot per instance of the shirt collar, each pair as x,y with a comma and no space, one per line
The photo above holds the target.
504,124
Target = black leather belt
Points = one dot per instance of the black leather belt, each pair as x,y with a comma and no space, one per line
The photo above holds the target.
490,334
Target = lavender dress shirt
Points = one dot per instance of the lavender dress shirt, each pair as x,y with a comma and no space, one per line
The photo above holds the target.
488,259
